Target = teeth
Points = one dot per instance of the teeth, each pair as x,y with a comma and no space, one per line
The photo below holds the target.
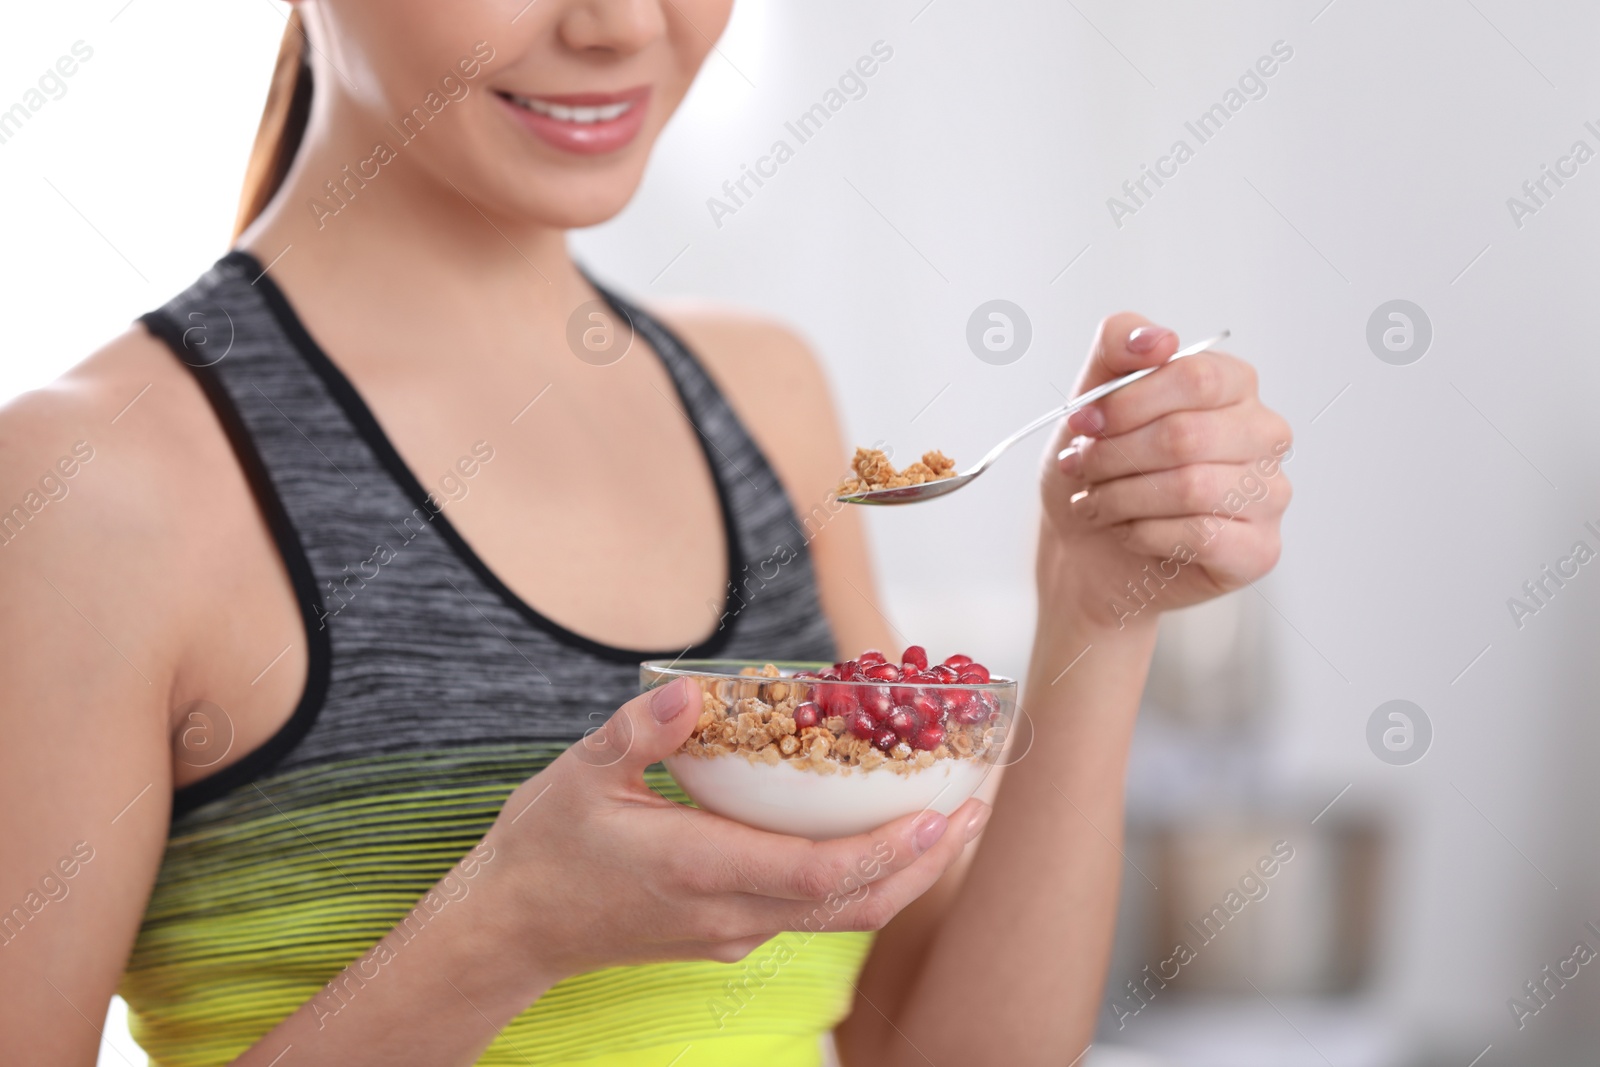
581,116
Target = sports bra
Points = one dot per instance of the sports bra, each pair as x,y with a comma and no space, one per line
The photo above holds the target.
432,691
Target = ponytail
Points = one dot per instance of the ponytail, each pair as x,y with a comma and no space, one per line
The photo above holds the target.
283,124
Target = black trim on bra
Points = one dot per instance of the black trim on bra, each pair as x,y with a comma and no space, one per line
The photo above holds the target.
371,431
265,756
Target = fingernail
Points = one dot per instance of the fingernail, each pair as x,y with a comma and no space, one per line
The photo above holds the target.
667,702
979,819
1088,422
927,830
1146,338
1071,461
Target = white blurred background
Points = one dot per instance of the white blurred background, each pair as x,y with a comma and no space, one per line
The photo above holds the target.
978,166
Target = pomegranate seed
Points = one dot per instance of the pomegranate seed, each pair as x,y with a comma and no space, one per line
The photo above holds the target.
872,655
970,708
860,724
904,721
885,739
875,701
830,674
988,705
928,707
958,661
883,672
807,714
838,700
929,737
974,674
945,673
902,694
915,656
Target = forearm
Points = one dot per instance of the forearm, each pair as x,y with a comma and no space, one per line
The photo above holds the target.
1016,970
1145,498
434,991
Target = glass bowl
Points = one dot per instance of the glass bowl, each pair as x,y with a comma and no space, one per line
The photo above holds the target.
818,758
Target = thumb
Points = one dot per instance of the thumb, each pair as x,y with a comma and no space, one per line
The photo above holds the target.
1126,342
642,731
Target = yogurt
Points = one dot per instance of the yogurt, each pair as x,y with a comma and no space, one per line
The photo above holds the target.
805,803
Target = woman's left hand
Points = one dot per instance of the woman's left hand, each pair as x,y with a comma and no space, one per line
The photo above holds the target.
1169,492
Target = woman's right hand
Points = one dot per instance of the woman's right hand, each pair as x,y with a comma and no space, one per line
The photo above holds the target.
592,868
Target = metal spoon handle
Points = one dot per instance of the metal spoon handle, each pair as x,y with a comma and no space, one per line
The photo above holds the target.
1089,397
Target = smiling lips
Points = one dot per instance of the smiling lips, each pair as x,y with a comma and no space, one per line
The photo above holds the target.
586,124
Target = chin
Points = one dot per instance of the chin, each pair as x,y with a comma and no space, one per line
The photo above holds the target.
533,196
572,202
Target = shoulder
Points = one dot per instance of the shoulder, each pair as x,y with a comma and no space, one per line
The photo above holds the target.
765,369
743,348
56,440
130,406
101,475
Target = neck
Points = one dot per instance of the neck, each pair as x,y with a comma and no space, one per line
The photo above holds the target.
345,220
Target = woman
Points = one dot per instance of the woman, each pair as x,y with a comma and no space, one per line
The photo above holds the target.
293,761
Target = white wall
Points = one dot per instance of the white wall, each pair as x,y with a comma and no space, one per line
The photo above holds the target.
978,166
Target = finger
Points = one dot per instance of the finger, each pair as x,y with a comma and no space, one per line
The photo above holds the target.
1125,342
857,902
742,859
885,898
1243,433
1199,382
1232,553
651,725
1223,490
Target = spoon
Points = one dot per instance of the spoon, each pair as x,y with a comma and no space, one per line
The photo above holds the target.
914,494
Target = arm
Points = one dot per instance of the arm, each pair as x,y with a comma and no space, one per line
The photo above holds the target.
1019,937
1026,945
84,769
576,848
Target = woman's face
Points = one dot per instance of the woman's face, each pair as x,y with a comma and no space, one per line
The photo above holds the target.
541,111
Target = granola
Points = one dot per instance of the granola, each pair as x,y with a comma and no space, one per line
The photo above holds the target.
874,471
768,717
